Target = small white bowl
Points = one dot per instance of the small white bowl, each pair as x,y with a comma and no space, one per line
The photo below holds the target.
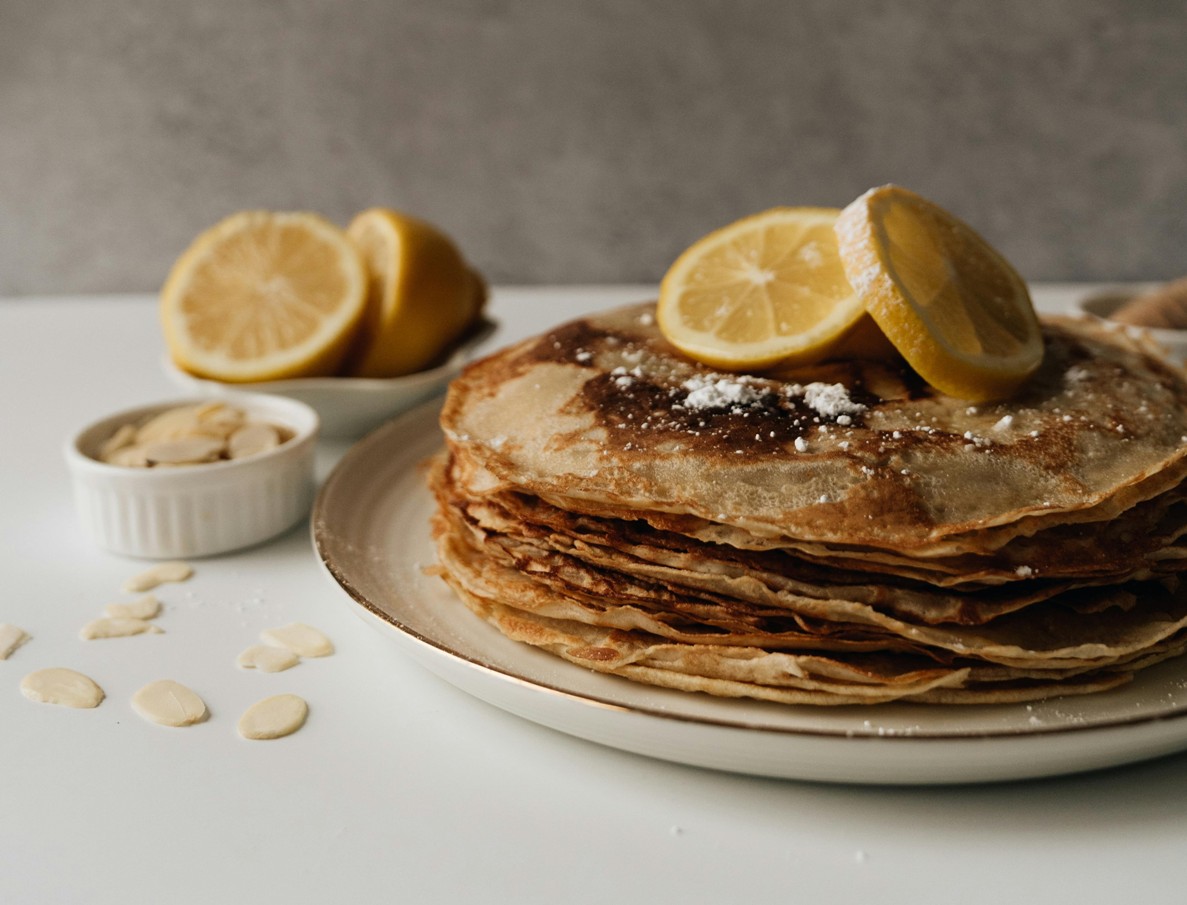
348,406
1103,304
195,510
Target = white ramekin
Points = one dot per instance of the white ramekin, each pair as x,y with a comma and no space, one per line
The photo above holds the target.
195,510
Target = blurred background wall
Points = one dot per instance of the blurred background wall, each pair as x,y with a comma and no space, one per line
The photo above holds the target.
579,141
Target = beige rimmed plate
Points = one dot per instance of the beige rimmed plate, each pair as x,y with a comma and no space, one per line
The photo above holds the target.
370,529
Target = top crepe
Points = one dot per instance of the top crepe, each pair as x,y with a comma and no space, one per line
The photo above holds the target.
602,416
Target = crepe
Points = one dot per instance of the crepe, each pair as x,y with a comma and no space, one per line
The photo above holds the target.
841,534
603,411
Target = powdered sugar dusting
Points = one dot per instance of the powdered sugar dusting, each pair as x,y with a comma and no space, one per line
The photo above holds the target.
830,399
1004,423
715,392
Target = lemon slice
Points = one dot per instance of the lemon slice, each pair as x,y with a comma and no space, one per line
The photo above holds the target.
264,296
767,290
957,311
421,295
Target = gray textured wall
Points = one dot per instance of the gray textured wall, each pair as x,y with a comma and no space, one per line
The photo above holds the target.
586,140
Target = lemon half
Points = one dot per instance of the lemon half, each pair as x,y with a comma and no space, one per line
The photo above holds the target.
264,296
421,294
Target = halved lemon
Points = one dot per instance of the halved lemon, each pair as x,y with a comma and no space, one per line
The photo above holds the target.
767,290
960,315
264,295
421,295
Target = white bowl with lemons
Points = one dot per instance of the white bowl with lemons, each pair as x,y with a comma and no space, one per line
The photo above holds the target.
349,407
360,324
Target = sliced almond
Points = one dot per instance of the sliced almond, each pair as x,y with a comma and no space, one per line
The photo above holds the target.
146,607
169,703
171,424
266,658
11,638
64,687
252,439
128,457
124,436
274,717
118,627
186,451
301,639
158,575
217,419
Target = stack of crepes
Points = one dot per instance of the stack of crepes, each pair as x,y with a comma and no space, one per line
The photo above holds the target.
843,534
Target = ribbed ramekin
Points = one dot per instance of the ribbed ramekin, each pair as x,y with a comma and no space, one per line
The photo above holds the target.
195,510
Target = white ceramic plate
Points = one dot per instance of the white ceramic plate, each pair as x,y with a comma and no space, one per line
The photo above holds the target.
349,407
370,528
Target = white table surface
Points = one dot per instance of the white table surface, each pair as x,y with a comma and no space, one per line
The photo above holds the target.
401,788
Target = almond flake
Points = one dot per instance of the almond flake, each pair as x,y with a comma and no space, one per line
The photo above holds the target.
158,575
301,639
11,638
117,627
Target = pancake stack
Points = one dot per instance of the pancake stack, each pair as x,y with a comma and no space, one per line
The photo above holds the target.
843,534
